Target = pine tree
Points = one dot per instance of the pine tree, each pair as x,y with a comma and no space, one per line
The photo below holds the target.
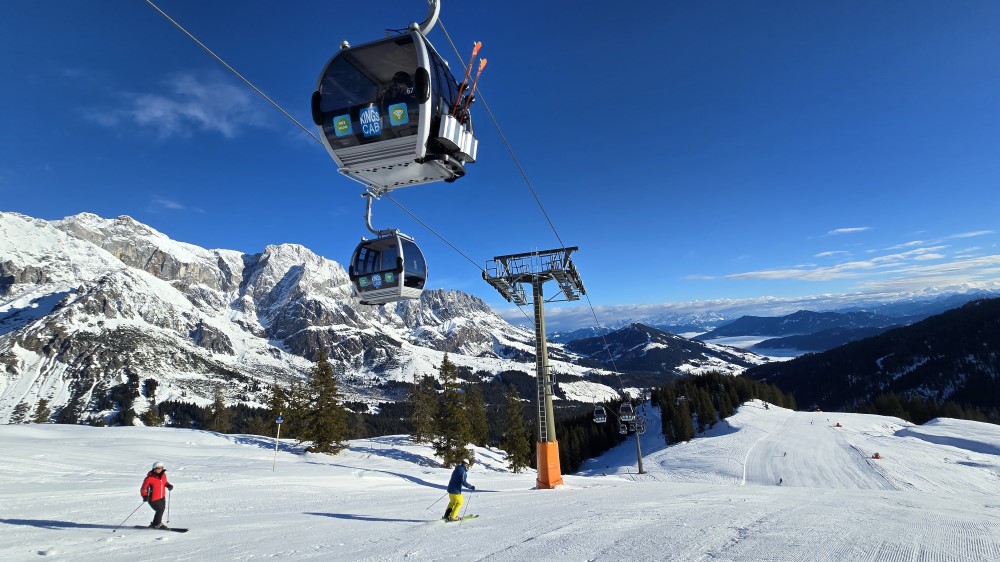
452,435
42,412
326,417
278,400
218,419
296,411
475,408
151,417
424,400
516,439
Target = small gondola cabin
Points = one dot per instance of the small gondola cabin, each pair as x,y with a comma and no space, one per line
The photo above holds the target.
387,269
626,413
390,115
600,416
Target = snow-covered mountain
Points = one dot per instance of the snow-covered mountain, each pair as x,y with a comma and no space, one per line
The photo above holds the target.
798,323
88,303
93,309
645,349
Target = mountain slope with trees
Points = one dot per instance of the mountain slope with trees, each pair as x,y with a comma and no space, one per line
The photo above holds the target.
951,357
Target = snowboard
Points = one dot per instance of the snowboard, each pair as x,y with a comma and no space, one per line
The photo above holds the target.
174,529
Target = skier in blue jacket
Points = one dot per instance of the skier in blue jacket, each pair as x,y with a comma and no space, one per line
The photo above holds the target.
458,479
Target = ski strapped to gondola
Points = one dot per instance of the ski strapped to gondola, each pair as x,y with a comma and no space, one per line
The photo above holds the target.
472,88
465,79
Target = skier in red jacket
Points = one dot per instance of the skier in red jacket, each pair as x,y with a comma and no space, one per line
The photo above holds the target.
154,490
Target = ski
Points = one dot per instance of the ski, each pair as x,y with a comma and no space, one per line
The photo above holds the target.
174,529
475,84
465,80
462,518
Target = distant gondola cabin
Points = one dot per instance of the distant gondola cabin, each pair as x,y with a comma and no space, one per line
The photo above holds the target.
387,269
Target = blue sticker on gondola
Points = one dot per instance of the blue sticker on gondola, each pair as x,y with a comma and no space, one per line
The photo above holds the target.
363,282
377,280
342,125
398,115
371,122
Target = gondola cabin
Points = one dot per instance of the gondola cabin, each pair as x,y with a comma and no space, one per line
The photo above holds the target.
387,269
626,413
600,416
390,115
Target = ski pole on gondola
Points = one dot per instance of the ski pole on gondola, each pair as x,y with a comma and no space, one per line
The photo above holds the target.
465,79
475,83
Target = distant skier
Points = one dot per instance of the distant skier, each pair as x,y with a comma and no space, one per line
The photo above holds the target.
154,491
459,478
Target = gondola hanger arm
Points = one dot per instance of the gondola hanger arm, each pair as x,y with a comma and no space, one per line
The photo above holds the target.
368,216
428,24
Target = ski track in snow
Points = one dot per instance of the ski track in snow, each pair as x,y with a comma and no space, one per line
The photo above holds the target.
933,497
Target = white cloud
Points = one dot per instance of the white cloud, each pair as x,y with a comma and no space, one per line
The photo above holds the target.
971,234
912,283
831,254
908,245
846,270
849,230
189,103
161,203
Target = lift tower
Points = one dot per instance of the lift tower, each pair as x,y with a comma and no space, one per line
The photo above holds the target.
508,275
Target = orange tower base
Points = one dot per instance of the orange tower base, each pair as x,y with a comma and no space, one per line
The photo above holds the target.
549,475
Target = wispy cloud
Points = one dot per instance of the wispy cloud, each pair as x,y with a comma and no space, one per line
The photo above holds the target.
160,204
831,254
189,103
849,230
846,270
972,234
915,285
909,244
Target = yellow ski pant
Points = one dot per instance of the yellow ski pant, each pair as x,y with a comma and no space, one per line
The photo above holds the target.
455,504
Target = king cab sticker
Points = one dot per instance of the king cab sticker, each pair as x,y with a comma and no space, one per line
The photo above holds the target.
371,121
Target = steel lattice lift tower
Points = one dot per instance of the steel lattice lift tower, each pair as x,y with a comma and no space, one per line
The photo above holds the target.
508,275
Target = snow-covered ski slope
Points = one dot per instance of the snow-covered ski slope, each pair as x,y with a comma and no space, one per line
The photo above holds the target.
934,496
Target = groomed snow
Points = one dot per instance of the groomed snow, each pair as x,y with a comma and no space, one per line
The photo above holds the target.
934,496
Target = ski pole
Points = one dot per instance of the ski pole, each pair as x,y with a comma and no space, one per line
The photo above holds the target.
169,493
435,501
466,510
129,517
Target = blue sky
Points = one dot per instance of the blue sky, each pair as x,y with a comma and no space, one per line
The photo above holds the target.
694,151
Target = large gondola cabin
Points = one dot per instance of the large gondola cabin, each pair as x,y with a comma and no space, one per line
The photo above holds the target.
390,114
